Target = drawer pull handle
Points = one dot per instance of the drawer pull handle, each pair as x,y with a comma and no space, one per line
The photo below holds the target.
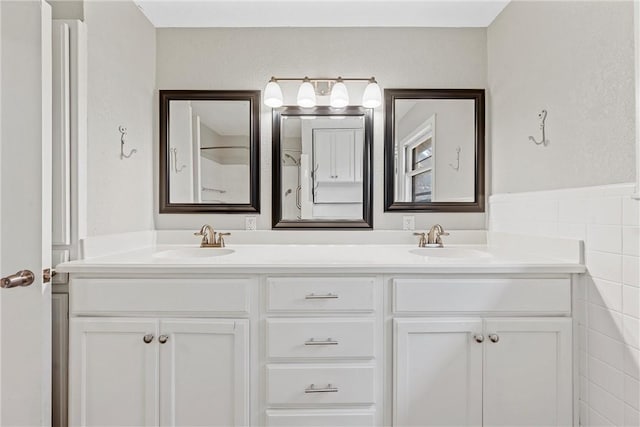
324,296
328,389
328,341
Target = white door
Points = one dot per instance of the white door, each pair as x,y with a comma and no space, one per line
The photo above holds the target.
204,372
527,374
344,155
25,212
437,367
113,372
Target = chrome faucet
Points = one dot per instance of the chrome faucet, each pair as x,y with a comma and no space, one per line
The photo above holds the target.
431,239
209,239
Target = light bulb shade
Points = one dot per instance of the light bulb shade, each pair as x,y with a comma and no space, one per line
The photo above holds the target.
372,97
339,95
306,95
273,95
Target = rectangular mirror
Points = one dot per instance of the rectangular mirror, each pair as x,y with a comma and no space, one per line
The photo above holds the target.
209,151
434,150
322,167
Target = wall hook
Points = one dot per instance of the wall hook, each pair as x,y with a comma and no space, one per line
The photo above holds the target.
174,154
457,166
543,117
123,134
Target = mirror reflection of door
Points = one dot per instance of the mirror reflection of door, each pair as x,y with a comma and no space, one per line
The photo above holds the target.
322,167
209,151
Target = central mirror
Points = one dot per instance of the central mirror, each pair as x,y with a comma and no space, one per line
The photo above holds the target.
322,167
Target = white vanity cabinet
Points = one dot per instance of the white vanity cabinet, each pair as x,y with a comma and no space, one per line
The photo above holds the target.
477,370
170,362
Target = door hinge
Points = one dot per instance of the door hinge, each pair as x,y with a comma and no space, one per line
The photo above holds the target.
47,274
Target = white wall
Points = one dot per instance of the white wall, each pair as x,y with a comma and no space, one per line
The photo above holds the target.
575,59
246,58
121,83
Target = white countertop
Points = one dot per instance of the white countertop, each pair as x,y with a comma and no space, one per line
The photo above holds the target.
323,258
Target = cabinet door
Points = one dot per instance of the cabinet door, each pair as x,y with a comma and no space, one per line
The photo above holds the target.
323,155
437,372
527,372
344,155
113,372
204,370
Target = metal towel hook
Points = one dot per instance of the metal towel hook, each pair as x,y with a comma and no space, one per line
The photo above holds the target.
543,117
123,134
174,153
457,166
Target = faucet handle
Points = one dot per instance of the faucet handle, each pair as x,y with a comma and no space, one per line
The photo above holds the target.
423,239
221,238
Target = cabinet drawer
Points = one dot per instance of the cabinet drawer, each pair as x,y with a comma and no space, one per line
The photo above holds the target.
320,294
320,338
482,295
318,385
320,418
175,296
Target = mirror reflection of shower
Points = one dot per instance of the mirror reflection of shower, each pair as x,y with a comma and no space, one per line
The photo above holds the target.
288,192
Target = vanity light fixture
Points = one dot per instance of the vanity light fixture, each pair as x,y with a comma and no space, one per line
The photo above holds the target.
312,87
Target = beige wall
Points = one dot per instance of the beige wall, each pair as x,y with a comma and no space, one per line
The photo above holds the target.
121,83
247,58
575,59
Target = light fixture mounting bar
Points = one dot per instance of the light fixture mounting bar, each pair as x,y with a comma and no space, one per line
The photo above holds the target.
324,79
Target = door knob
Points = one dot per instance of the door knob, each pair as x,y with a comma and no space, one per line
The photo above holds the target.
479,338
163,339
147,338
21,278
494,337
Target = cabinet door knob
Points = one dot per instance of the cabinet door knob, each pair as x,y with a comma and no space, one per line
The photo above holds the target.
163,339
147,338
494,337
478,337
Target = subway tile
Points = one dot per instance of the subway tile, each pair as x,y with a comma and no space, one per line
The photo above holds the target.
630,211
604,265
610,379
568,230
606,294
606,210
631,326
631,270
606,404
631,417
632,392
577,211
606,349
604,238
605,321
631,301
632,362
631,241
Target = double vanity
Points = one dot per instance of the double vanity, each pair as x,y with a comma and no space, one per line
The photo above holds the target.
265,332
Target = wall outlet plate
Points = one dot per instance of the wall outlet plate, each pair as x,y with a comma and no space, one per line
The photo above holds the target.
250,223
409,222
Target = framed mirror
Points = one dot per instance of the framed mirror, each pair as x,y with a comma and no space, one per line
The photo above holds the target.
209,151
322,167
434,150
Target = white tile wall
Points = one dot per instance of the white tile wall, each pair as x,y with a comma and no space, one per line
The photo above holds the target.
608,308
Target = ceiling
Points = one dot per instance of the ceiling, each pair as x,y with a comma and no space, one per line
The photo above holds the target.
327,13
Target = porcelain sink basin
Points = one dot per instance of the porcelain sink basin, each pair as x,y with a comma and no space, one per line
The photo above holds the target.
185,253
451,253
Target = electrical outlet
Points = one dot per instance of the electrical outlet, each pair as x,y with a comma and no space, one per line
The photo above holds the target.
409,222
250,223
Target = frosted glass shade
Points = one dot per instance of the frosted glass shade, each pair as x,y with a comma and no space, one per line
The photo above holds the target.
339,95
306,95
372,97
273,95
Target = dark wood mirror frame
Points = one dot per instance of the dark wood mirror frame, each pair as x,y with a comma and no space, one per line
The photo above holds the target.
390,97
367,179
253,97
